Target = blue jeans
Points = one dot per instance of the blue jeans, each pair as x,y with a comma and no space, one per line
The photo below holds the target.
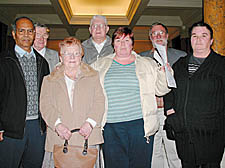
125,145
28,151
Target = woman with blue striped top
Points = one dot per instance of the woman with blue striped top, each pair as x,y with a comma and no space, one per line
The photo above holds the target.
130,83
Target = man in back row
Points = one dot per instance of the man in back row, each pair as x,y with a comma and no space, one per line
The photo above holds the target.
40,42
164,150
99,44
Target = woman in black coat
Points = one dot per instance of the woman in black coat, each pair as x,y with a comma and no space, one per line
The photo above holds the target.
195,109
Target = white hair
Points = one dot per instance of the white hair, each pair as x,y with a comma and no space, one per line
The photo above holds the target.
99,16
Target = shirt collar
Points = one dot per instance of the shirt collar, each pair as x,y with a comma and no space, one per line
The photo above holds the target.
98,46
102,43
21,51
42,51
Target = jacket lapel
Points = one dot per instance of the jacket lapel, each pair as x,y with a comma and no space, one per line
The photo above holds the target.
63,86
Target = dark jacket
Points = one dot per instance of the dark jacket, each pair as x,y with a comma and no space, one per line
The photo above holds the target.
13,97
199,104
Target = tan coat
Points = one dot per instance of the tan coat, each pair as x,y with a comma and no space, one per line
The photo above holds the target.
152,81
88,102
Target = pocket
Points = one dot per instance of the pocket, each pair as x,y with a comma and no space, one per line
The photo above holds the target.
176,122
170,133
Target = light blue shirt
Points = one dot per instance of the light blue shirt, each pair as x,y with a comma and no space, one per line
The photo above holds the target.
22,52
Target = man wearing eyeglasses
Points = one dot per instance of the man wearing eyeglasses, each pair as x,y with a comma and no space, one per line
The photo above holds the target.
164,150
22,130
40,42
99,44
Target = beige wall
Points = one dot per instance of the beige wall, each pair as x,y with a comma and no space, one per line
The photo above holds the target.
141,42
139,45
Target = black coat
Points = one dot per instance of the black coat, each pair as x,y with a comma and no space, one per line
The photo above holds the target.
13,97
199,104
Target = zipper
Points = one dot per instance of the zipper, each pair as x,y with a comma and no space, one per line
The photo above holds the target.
39,73
185,111
185,103
39,67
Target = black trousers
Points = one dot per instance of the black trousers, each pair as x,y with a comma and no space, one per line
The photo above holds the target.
207,165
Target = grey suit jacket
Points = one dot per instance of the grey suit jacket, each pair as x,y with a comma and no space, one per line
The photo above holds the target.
173,55
52,58
90,52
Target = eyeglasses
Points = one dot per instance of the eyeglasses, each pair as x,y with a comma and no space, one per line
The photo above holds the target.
155,33
76,54
95,26
38,35
23,31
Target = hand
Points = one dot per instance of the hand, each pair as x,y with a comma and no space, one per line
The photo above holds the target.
57,66
85,130
170,111
1,136
63,131
168,66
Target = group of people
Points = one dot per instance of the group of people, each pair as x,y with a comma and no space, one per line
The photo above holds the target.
118,99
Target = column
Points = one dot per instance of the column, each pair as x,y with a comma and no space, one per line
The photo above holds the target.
214,15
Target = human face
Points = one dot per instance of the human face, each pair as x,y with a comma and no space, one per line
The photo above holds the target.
201,39
158,35
123,46
98,30
24,35
41,36
70,56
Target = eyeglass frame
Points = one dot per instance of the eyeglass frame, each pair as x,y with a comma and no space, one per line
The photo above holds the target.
77,54
95,26
155,33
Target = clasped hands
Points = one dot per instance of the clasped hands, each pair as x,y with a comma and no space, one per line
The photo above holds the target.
65,133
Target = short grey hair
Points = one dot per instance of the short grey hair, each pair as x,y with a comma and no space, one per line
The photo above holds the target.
13,25
156,24
37,24
99,16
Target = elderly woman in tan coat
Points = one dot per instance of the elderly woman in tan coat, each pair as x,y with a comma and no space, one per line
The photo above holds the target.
71,97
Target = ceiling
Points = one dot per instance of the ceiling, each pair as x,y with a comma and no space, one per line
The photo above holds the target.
71,17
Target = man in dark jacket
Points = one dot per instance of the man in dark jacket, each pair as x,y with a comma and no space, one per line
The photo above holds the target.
195,109
22,130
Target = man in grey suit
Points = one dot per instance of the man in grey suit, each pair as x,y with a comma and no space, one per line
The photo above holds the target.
164,150
99,44
40,42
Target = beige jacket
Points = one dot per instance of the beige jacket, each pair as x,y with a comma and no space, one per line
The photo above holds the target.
152,82
88,102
